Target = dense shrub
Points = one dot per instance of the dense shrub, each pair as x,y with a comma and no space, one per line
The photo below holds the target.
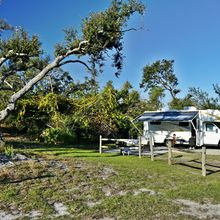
57,135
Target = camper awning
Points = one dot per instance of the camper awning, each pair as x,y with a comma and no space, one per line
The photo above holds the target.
168,116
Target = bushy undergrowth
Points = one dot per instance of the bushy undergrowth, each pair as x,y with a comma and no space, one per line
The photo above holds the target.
57,135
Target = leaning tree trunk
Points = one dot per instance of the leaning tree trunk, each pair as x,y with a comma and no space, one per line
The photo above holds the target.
13,99
56,63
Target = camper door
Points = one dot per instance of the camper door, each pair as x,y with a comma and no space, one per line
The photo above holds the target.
211,136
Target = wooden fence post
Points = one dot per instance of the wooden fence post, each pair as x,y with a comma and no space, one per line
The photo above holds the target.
204,161
169,145
100,144
151,147
139,143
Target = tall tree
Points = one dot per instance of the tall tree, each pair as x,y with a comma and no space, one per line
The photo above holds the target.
202,100
160,74
100,32
154,101
180,103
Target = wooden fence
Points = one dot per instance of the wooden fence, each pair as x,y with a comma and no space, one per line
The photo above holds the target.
151,143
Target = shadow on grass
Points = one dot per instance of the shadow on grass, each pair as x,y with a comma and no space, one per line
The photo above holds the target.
86,155
158,154
209,171
26,179
47,147
76,150
207,164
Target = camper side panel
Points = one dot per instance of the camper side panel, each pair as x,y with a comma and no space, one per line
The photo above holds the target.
165,130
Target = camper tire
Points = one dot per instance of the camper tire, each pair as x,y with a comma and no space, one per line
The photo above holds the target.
219,144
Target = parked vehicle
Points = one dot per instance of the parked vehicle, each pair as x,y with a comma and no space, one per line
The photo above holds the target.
202,125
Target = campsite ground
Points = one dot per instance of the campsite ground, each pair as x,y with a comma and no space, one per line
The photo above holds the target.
76,182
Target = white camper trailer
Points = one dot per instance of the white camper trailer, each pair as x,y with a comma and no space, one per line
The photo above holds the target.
203,125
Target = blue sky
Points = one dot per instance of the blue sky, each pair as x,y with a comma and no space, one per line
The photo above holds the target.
187,31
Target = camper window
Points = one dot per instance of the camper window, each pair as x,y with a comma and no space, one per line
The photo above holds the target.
210,127
184,124
155,122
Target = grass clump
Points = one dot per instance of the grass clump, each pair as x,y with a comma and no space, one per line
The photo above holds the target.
9,150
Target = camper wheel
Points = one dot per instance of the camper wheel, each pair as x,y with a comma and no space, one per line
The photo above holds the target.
219,144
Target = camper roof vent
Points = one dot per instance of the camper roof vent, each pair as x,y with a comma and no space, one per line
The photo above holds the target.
190,108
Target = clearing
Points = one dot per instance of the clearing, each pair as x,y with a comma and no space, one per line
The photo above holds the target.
76,182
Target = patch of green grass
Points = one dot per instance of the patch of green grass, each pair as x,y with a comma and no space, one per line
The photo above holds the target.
94,186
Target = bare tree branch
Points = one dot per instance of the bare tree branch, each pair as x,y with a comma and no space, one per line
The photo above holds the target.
120,31
75,61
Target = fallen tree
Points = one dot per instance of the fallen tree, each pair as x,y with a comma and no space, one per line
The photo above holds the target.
22,64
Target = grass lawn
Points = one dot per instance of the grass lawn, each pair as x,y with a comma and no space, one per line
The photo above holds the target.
78,183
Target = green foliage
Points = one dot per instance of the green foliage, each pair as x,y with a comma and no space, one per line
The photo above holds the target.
49,103
160,74
9,150
20,42
85,114
57,81
28,117
155,96
202,100
35,113
58,102
57,135
98,112
216,89
2,147
129,101
22,64
179,104
24,61
106,112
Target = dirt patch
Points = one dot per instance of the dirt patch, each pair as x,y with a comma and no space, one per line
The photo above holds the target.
91,204
147,191
107,172
15,215
61,209
107,191
107,218
110,191
200,211
4,215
